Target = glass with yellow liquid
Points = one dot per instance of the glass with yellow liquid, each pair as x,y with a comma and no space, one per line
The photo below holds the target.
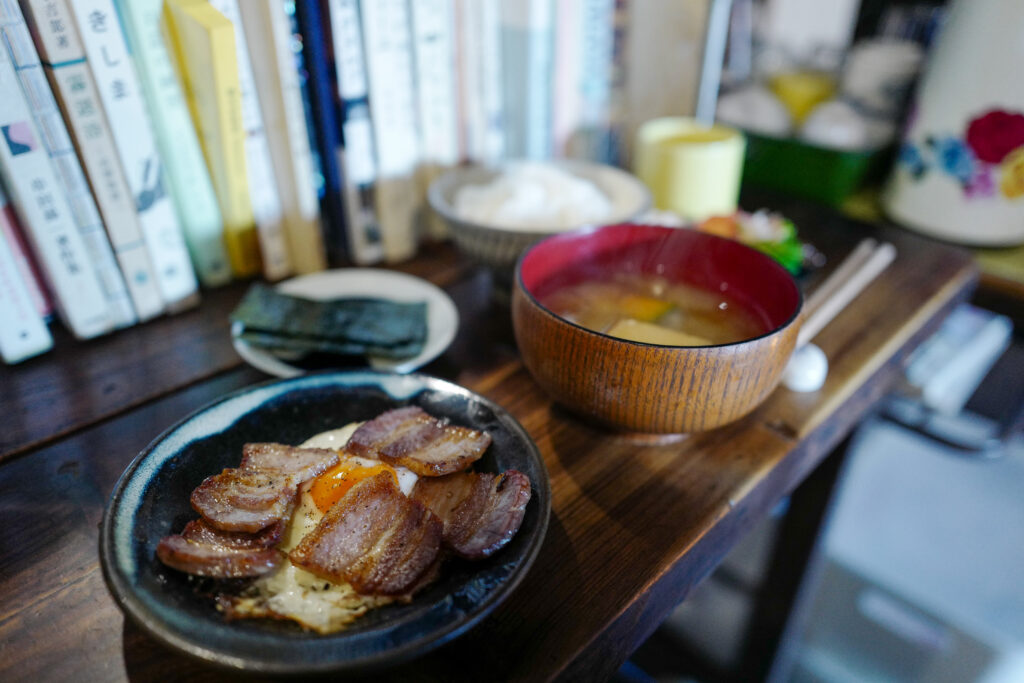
691,169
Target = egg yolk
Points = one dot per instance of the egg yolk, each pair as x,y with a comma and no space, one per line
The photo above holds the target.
330,486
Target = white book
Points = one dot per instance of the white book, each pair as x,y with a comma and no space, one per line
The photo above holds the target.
23,333
45,215
357,158
527,40
188,178
470,97
121,95
269,30
266,202
494,105
433,25
16,39
387,37
63,56
568,69
30,275
584,74
480,79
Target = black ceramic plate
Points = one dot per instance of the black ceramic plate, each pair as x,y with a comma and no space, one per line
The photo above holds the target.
151,500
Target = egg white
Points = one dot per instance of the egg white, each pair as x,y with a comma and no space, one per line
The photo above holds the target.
291,592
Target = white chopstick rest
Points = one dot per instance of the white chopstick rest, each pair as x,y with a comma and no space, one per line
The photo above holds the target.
807,369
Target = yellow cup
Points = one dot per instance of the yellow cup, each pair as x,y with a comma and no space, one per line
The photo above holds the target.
691,169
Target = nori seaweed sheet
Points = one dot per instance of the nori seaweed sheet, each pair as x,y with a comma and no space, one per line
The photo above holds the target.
283,342
349,326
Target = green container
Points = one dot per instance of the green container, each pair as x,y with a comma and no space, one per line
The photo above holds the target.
798,168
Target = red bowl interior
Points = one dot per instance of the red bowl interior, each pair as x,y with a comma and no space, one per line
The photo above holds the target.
752,279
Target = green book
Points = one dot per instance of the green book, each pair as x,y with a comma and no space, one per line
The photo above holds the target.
186,172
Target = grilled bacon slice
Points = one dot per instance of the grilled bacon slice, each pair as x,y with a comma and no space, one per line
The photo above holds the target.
200,531
203,550
240,500
428,446
301,463
481,512
263,490
374,538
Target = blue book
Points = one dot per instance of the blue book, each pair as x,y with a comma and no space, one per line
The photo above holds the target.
320,86
359,162
307,108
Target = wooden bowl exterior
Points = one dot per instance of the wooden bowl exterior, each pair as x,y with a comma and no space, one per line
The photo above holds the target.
648,387
643,387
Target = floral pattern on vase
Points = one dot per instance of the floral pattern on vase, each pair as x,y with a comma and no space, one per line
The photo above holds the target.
987,161
1012,183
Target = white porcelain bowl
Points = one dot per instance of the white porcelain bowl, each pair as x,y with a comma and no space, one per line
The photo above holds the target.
498,248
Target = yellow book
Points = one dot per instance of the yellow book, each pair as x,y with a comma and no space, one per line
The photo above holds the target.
202,42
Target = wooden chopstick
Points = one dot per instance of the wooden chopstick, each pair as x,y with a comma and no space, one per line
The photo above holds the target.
862,266
854,260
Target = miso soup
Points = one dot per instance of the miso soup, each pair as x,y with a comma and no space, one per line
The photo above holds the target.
651,309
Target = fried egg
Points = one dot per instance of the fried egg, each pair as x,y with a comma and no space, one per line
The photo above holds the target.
291,592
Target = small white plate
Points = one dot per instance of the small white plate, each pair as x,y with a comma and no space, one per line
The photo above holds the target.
442,316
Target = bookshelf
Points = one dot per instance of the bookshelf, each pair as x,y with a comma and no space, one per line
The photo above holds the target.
203,141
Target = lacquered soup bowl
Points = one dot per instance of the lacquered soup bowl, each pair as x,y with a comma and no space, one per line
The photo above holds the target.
651,388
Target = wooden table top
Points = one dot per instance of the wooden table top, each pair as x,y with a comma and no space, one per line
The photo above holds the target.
634,525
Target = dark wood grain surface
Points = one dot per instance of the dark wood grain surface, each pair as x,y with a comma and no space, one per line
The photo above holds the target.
635,524
82,382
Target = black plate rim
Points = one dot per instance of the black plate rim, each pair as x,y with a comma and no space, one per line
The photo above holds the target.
118,584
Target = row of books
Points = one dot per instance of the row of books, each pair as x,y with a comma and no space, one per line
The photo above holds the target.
150,146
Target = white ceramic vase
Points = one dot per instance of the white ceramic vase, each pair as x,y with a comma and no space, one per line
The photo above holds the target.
960,171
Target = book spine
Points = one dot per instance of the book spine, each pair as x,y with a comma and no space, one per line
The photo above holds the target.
299,62
277,80
266,200
187,176
490,82
108,57
527,41
470,99
478,27
597,24
27,267
57,142
313,31
45,214
63,57
566,99
433,23
608,143
23,333
202,43
387,34
433,36
358,158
